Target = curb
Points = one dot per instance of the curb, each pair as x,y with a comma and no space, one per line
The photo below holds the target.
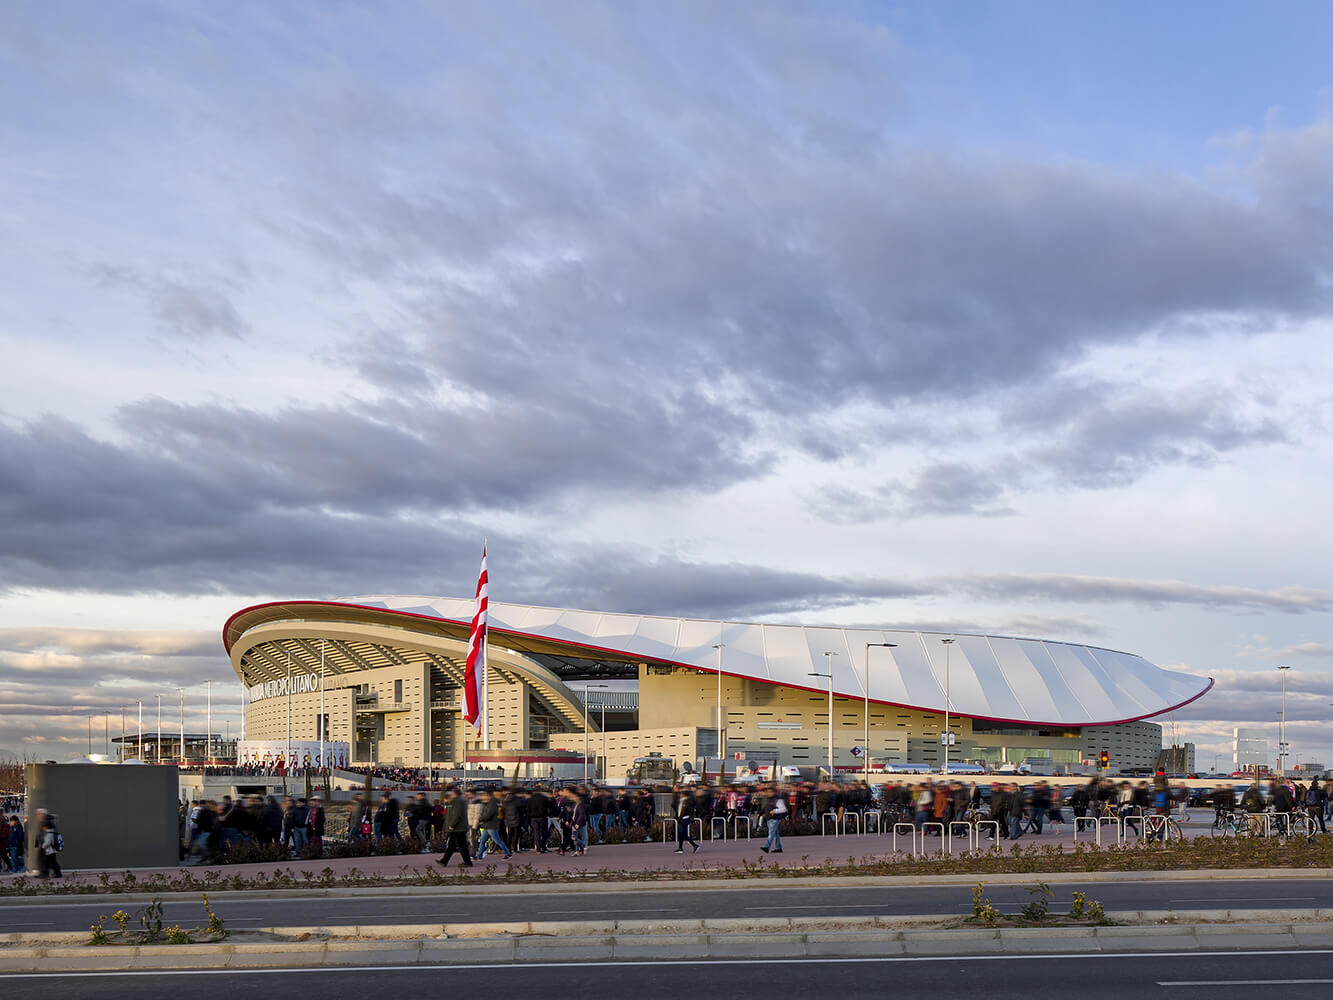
777,937
683,885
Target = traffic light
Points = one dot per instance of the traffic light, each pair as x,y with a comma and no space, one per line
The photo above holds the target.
1104,759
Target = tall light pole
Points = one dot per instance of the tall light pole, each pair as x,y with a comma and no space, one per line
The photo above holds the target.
866,688
122,734
586,686
157,756
948,644
140,730
208,754
90,736
1282,728
828,660
182,694
721,738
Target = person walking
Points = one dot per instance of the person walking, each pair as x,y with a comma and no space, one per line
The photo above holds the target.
1315,797
774,811
48,849
684,820
489,821
455,829
538,811
17,845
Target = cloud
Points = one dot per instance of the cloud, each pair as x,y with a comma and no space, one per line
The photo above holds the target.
185,309
1068,434
1155,593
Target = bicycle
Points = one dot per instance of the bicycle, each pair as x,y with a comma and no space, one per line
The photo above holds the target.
1228,823
1163,827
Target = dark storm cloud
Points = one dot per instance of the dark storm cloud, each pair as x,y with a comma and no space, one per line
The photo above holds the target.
1070,434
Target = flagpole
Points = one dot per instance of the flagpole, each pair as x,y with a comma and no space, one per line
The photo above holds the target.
485,668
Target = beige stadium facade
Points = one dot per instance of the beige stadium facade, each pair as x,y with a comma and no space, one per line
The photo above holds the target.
391,672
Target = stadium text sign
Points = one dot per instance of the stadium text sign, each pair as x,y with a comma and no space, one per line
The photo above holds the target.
298,684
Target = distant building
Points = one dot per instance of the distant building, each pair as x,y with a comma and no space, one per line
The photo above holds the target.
1177,759
1249,747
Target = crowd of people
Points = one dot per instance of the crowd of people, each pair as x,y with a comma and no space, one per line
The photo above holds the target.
210,829
14,844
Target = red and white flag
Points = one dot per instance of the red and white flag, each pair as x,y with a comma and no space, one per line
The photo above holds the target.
476,652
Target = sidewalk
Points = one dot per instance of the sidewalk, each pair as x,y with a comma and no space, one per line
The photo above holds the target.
798,852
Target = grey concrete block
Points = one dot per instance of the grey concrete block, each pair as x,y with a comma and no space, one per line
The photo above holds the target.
748,925
86,959
463,951
181,956
735,945
372,952
959,942
564,949
20,959
276,954
660,946
570,928
405,932
1037,940
1138,938
854,944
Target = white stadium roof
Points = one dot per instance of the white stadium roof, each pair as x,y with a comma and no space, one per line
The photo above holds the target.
1025,681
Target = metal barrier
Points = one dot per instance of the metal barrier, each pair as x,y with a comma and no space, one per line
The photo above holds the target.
978,824
911,830
938,826
665,821
823,823
969,831
1113,822
713,821
851,816
1080,822
877,815
737,822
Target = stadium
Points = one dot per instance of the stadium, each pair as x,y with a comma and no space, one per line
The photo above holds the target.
388,671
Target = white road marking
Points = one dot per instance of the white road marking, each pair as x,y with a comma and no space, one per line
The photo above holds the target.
629,964
1245,899
822,906
1246,982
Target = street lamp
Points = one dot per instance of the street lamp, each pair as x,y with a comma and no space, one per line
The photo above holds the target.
866,688
182,694
948,644
1282,727
828,661
586,686
721,740
157,754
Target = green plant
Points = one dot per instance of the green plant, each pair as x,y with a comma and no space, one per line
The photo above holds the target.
1076,911
216,925
982,908
122,920
99,931
150,918
177,936
1097,913
1040,907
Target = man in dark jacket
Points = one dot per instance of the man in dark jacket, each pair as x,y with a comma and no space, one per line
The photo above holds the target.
455,829
489,821
538,812
511,812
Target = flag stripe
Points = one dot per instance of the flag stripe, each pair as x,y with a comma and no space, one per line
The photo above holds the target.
476,642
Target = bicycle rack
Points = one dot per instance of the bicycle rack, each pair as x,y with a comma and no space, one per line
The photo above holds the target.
738,821
851,816
970,830
977,825
1080,822
665,821
823,823
943,838
712,827
1113,821
877,815
911,831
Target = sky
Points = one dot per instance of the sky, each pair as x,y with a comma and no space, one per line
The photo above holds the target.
1006,317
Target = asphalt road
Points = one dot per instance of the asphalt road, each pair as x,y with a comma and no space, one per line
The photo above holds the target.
1293,975
646,901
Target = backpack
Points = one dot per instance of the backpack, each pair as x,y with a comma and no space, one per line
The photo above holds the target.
1312,797
60,842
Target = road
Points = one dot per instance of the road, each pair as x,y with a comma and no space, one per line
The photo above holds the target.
1294,975
648,901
